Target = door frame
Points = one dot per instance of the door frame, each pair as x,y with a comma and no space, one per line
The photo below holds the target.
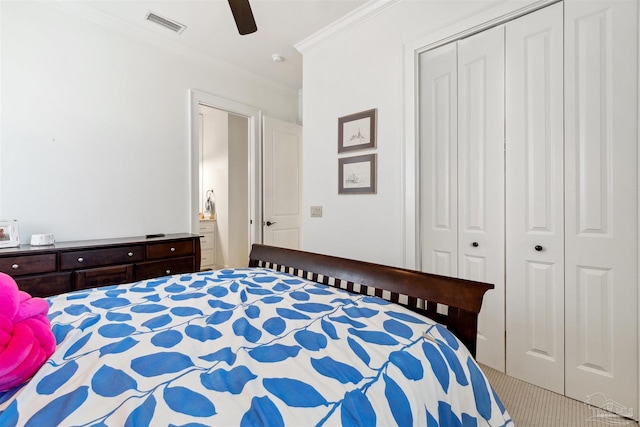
507,11
254,116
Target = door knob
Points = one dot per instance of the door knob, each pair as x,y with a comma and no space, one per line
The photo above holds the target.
269,223
475,244
538,248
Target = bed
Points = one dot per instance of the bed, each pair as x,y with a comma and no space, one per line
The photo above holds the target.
294,339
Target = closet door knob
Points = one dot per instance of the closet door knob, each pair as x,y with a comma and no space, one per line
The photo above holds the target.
475,244
538,248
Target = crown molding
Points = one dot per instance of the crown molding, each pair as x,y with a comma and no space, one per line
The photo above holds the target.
142,34
354,18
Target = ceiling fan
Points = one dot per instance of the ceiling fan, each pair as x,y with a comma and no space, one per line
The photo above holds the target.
243,16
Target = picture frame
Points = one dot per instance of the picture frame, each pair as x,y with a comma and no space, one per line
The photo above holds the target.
357,174
357,131
9,234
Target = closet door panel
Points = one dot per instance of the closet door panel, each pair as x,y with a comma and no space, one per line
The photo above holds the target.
481,181
535,199
438,161
601,114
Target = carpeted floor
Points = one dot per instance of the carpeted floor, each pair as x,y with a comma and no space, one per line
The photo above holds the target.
531,406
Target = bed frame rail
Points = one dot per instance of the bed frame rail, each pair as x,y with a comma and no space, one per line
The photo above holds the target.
452,302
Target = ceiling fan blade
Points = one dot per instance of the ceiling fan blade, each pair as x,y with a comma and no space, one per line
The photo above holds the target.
241,11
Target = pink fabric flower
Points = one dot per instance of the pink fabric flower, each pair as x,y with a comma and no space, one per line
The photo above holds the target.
26,340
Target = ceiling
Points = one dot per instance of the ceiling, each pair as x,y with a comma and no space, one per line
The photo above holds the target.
211,31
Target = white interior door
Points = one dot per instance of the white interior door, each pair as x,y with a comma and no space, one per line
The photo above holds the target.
439,160
282,154
481,182
462,173
535,198
601,160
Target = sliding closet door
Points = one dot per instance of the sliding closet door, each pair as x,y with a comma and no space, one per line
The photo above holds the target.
481,182
438,160
601,140
535,199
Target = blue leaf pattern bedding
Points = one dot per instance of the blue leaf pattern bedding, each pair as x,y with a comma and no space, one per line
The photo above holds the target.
248,347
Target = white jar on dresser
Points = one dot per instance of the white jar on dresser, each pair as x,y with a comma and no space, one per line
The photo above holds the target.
207,243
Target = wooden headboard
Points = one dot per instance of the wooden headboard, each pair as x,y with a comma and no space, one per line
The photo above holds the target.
424,293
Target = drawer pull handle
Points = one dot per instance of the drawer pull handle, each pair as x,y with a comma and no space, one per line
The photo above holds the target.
80,259
130,254
15,266
168,271
173,249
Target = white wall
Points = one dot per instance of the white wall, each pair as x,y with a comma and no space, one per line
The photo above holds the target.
214,166
215,171
238,191
95,127
355,70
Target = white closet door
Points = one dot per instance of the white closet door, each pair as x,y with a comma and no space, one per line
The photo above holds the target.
438,160
481,182
601,143
535,199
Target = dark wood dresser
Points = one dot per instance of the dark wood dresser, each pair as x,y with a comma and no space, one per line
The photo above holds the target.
67,266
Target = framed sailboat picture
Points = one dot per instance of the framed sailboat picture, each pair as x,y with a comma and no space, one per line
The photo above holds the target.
357,131
357,174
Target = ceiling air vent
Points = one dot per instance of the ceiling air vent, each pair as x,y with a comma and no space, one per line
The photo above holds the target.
167,23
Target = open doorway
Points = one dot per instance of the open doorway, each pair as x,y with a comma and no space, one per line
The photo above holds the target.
225,178
224,188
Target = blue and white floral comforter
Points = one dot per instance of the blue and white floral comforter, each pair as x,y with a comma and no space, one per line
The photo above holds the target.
248,347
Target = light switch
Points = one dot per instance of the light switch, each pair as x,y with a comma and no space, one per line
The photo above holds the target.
316,211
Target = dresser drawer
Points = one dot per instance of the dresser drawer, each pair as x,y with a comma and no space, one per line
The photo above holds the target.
207,242
103,276
45,285
170,249
148,270
28,264
207,226
99,257
208,259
